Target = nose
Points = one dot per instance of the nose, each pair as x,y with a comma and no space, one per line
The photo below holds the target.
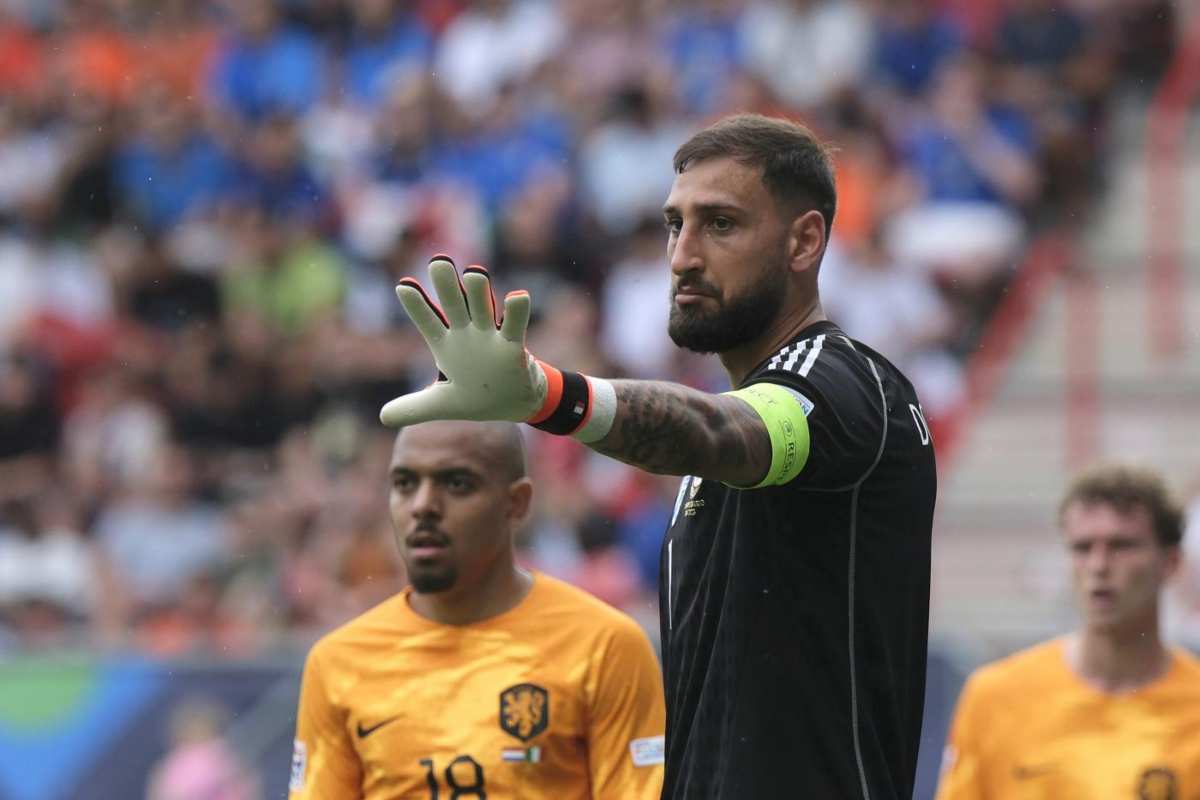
1099,560
683,251
426,501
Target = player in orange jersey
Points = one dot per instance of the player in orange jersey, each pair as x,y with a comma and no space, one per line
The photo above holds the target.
481,679
1108,711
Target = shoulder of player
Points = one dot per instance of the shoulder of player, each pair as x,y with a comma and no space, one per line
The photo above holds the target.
1188,664
364,628
846,378
1016,675
804,352
827,354
574,607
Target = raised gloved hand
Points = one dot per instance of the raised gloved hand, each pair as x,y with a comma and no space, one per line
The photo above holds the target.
485,371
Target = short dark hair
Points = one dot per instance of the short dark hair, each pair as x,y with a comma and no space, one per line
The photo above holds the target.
1125,488
796,166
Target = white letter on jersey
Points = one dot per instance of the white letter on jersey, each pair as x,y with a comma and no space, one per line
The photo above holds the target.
919,418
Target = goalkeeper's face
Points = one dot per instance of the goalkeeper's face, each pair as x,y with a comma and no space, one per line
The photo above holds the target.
727,246
455,500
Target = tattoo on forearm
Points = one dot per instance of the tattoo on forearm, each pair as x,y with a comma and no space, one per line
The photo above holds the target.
671,429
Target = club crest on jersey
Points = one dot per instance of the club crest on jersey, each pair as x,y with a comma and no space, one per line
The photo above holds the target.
1158,783
689,487
524,710
693,504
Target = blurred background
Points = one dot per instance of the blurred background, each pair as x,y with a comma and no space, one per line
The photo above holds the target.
204,206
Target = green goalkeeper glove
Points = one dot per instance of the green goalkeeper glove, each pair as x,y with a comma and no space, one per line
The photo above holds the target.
485,372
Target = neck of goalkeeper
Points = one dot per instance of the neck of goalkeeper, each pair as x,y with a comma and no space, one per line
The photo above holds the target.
739,361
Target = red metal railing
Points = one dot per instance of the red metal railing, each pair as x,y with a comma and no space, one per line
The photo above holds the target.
1051,257
1166,139
1046,260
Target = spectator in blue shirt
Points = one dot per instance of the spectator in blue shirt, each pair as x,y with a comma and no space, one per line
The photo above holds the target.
911,41
969,150
384,43
405,132
264,67
275,177
500,154
1039,33
172,168
704,46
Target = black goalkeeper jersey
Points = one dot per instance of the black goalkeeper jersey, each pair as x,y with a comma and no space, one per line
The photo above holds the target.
795,617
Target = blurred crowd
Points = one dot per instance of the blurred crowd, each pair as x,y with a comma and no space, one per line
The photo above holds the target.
204,206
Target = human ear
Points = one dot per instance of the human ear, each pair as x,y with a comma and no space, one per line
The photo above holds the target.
1173,560
806,241
520,500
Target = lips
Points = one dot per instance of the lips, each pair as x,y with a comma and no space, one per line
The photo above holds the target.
426,543
692,288
687,295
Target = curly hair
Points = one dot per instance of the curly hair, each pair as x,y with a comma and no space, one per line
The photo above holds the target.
1126,487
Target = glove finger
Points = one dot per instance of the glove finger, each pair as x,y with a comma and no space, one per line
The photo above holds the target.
411,409
423,312
481,303
516,316
450,292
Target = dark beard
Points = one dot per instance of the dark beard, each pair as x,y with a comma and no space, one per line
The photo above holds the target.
435,581
737,321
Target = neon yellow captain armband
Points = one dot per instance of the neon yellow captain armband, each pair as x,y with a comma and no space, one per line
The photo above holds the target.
785,413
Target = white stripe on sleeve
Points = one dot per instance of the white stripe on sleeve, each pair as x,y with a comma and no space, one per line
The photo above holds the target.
812,355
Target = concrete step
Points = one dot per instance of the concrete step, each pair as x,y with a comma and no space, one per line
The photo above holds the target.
999,568
1122,223
1004,583
998,564
1106,326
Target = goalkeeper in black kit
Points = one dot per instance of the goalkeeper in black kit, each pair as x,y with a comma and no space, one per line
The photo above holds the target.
794,587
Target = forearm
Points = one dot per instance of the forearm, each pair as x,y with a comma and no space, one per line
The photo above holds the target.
670,429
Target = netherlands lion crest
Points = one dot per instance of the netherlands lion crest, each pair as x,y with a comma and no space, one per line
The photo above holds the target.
1158,783
524,710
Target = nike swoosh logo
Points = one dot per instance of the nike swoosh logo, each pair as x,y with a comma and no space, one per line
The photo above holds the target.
1034,771
365,732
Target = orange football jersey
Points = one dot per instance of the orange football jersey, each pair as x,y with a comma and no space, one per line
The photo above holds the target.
1027,727
559,698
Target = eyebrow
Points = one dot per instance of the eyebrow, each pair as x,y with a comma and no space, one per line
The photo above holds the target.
704,208
448,472
1118,537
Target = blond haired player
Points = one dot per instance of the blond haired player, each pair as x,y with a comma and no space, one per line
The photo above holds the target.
1108,711
480,679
